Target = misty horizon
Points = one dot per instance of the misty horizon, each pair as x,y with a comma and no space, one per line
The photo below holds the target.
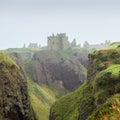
28,21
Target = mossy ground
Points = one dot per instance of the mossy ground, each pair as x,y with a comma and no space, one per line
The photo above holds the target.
110,110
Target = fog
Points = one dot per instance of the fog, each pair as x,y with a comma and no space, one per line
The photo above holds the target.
25,21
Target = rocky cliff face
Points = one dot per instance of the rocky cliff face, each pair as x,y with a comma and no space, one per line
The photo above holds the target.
50,75
14,100
98,97
58,68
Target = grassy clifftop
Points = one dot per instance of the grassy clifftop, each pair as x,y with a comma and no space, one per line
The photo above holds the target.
98,98
115,45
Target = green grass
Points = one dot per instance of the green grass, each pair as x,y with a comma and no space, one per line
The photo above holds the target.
110,110
115,45
67,108
115,69
106,83
41,98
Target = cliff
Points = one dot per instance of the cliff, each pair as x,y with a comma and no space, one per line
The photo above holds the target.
14,100
57,68
50,75
99,97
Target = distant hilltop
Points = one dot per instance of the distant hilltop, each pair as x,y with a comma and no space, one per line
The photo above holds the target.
60,42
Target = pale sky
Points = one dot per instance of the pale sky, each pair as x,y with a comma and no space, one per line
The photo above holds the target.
25,21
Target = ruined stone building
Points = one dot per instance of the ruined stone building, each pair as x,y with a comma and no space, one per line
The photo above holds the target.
58,42
33,45
97,46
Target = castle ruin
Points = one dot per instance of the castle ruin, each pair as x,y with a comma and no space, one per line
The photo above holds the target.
97,46
58,42
33,46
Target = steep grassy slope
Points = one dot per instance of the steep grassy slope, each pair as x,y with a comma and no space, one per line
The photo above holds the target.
67,108
42,97
110,110
98,98
14,100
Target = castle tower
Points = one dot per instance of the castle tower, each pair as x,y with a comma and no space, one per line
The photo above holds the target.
58,42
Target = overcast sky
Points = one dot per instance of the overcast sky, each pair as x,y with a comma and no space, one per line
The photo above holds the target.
25,21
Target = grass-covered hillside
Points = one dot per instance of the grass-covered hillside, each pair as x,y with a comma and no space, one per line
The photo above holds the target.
110,110
14,100
99,97
42,97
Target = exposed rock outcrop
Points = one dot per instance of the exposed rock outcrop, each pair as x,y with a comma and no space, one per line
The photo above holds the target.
50,75
58,68
65,69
